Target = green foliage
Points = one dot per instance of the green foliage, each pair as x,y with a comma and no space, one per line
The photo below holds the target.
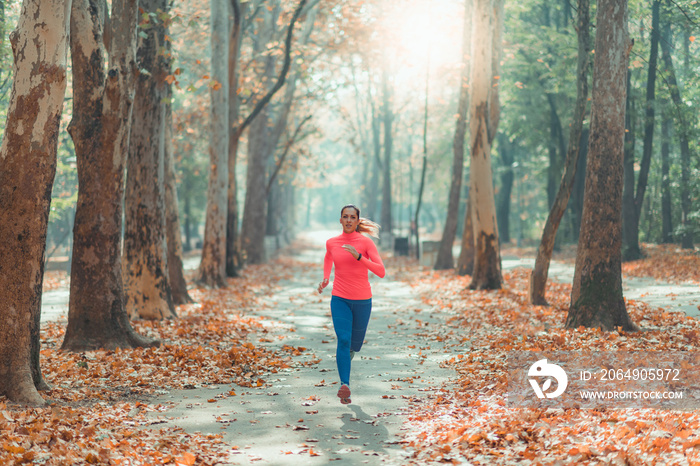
339,84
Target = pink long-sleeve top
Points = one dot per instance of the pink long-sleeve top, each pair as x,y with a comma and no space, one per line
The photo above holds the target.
351,276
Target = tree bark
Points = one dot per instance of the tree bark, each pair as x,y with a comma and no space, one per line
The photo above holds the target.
465,262
233,250
445,259
255,207
27,169
146,281
596,297
630,244
487,260
683,135
579,185
505,193
212,268
376,163
279,126
666,208
387,123
100,127
538,276
176,271
554,169
629,220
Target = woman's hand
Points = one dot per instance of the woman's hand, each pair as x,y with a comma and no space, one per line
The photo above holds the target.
322,285
351,249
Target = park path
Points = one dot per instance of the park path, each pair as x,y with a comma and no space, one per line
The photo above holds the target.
296,417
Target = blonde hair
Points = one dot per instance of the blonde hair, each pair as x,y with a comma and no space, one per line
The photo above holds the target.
366,225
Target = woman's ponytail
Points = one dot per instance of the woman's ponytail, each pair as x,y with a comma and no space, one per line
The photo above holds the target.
369,227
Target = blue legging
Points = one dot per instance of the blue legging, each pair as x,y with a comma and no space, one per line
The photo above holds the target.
350,319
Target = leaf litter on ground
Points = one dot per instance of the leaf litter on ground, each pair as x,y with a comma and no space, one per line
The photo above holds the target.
469,420
97,412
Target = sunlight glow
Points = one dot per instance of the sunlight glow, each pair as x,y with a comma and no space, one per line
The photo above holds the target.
414,29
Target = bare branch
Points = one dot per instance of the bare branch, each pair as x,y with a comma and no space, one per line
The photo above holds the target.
287,146
283,73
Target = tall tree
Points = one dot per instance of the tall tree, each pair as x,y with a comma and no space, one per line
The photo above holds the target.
683,135
633,200
596,296
212,268
27,169
503,198
255,209
445,260
465,262
176,270
666,208
538,276
146,279
100,127
279,121
376,164
483,120
424,166
387,110
233,250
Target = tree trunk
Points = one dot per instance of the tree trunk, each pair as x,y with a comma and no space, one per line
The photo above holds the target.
445,259
260,147
146,283
666,209
649,117
376,164
188,224
100,126
255,208
554,169
254,223
27,169
596,297
274,209
630,243
579,185
387,121
233,250
465,262
629,216
281,123
212,268
176,271
683,134
538,276
505,193
487,260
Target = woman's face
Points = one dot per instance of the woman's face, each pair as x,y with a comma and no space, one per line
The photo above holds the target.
349,219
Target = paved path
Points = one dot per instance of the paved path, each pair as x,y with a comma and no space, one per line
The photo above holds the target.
672,297
299,415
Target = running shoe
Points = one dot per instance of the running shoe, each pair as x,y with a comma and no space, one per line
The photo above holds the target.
344,394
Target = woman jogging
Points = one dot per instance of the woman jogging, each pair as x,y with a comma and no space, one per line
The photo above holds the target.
353,254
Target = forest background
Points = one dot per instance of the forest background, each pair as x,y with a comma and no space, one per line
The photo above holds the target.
337,98
278,112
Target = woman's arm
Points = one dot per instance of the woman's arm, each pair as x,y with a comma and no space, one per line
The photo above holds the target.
373,260
327,266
